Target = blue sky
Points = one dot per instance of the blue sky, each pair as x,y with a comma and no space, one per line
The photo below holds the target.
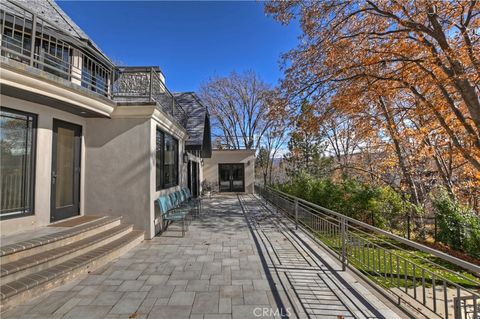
190,41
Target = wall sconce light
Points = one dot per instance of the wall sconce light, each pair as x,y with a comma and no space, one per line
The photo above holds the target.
248,163
185,157
201,162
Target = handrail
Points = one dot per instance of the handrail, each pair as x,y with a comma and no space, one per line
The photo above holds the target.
45,47
373,253
146,84
454,260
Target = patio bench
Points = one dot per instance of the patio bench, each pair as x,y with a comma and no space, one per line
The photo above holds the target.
184,199
196,203
171,211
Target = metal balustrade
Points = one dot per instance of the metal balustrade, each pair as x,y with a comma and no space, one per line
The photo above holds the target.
387,260
55,52
146,84
49,51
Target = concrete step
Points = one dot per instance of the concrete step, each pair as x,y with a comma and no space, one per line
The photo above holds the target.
17,251
25,288
32,264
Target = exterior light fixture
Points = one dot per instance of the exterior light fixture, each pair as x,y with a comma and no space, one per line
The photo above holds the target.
185,157
201,162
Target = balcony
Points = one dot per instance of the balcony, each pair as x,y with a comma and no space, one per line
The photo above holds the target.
146,84
74,63
52,51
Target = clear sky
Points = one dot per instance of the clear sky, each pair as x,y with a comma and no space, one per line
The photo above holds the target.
190,41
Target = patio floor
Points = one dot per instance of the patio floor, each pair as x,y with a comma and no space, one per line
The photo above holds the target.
237,260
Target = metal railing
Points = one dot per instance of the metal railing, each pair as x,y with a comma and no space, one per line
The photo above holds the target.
230,141
54,52
413,274
47,51
146,84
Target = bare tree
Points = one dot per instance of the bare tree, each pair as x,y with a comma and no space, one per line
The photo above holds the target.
239,108
274,138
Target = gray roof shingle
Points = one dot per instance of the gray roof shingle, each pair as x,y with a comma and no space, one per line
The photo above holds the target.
51,12
198,120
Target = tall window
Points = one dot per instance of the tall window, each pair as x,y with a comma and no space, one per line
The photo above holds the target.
17,162
94,76
166,160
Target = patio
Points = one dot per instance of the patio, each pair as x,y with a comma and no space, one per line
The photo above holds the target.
237,260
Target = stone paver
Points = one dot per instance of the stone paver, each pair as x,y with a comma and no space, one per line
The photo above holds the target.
237,260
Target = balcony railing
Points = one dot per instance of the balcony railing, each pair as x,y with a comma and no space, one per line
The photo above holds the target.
49,51
224,140
398,265
146,84
55,52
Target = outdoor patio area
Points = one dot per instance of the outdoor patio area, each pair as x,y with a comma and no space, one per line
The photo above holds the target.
238,259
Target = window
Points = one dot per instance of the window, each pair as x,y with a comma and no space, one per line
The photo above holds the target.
94,76
54,56
166,160
17,162
170,161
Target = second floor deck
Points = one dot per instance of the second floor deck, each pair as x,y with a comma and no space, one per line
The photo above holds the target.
31,42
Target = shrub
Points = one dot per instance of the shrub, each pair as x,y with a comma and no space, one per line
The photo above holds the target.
380,205
458,226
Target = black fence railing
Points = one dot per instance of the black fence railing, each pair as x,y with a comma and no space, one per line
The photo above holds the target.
146,84
31,40
28,39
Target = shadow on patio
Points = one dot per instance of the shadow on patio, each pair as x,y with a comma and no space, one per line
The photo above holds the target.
237,260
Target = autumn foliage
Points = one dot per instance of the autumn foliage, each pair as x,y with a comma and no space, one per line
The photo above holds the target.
401,80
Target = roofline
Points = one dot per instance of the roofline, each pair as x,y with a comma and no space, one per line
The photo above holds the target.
234,150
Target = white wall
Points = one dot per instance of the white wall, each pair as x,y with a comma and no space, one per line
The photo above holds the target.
117,165
43,165
121,164
118,170
210,168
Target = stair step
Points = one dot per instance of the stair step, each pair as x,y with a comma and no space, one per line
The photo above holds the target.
34,263
17,251
32,285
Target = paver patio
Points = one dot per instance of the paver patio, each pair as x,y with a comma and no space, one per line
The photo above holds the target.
237,260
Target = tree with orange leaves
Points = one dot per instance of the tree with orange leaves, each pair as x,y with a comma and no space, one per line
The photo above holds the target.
407,73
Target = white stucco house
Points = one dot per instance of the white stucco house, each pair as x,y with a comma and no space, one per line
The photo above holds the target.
83,136
86,149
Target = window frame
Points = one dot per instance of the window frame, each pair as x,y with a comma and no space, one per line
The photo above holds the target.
160,183
33,164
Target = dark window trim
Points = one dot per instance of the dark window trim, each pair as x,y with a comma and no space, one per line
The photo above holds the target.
162,185
33,163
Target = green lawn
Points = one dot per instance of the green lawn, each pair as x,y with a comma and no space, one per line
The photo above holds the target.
399,266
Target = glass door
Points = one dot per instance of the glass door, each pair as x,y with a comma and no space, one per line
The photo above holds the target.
224,177
237,178
66,150
231,177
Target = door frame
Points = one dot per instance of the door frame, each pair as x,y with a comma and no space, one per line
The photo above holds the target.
75,208
195,179
230,165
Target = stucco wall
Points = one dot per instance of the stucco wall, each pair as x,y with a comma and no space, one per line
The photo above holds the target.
118,170
43,165
157,225
210,168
